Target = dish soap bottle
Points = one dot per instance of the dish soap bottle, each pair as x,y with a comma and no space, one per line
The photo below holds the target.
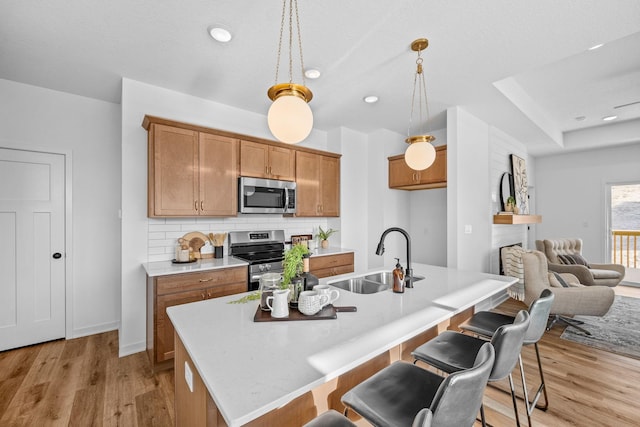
398,278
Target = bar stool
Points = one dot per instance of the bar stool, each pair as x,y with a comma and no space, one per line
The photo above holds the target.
403,394
451,352
485,324
331,418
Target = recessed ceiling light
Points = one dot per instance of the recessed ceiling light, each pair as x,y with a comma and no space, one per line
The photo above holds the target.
580,118
594,47
312,73
219,33
370,99
609,118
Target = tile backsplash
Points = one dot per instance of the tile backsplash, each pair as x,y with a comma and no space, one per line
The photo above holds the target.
164,232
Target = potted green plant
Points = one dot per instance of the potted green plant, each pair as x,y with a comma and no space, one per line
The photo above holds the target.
511,204
324,236
292,263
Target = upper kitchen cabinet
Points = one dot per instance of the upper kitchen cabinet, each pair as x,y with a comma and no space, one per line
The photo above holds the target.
190,173
261,160
318,185
402,177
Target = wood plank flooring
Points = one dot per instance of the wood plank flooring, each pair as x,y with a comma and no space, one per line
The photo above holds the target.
83,382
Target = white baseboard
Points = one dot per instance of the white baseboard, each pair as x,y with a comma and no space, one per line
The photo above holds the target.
94,329
126,350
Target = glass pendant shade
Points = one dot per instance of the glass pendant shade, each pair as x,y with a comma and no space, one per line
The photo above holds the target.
290,119
420,155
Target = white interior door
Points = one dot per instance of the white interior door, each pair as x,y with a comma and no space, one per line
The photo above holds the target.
32,247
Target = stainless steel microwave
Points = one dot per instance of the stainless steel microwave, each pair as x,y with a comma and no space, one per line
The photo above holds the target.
266,196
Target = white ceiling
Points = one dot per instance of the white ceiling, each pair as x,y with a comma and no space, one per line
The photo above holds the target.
520,65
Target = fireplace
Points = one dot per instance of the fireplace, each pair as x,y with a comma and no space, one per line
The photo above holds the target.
500,255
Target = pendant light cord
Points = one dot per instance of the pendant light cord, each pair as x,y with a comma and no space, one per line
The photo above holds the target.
284,8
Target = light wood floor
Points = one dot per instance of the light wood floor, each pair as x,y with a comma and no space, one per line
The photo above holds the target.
82,382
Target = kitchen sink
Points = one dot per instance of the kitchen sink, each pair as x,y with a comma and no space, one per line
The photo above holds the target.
370,283
386,277
360,285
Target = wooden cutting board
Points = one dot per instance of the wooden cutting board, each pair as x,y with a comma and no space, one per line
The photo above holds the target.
327,312
196,240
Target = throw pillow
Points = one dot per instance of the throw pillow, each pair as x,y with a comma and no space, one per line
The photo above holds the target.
560,280
573,259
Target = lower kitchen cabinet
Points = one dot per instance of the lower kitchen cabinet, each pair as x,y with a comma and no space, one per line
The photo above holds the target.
331,265
176,289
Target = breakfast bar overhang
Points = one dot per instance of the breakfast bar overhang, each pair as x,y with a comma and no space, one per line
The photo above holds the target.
230,370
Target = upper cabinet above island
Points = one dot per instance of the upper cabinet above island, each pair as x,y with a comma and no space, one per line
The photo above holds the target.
402,177
193,171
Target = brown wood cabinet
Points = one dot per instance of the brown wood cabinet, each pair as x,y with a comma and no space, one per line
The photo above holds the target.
176,289
403,177
191,173
260,160
318,185
331,265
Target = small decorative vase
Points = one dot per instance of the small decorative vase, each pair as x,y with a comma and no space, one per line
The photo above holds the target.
516,210
325,244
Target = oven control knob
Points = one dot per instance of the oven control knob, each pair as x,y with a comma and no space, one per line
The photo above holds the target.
268,266
261,267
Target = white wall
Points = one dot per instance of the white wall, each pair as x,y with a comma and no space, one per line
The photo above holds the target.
428,220
502,146
353,221
42,119
469,193
386,208
571,196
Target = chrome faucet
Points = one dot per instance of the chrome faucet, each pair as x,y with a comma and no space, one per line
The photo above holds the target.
380,251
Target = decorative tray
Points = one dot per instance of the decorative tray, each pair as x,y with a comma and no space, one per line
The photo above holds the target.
328,312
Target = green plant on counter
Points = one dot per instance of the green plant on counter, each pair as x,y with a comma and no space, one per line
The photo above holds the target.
325,234
254,296
292,263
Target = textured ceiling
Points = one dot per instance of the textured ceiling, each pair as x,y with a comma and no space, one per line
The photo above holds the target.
520,65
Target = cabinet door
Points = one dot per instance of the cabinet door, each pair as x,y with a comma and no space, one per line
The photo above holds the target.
218,175
254,159
437,172
282,163
329,186
307,184
400,174
164,327
173,172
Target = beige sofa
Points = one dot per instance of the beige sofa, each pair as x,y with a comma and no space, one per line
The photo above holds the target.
594,274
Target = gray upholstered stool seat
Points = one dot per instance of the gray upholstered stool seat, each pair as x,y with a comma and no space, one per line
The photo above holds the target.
330,418
453,351
398,394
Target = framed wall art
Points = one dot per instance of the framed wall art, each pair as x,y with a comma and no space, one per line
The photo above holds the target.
520,183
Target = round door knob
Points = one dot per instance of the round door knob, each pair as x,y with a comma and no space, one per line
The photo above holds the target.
57,255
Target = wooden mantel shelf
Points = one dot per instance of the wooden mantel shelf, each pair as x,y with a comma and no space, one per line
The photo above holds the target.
517,219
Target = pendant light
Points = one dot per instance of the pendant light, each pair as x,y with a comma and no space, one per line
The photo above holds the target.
420,154
290,118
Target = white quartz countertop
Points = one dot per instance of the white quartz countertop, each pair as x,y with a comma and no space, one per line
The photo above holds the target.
164,268
251,368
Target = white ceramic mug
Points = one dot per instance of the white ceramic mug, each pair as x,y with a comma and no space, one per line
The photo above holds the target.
310,302
333,294
279,303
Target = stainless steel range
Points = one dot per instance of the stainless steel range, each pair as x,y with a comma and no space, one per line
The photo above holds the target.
263,250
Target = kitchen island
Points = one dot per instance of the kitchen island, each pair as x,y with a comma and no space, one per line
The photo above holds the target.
233,371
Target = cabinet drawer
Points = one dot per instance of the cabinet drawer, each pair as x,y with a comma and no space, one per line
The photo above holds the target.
322,262
203,279
223,289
